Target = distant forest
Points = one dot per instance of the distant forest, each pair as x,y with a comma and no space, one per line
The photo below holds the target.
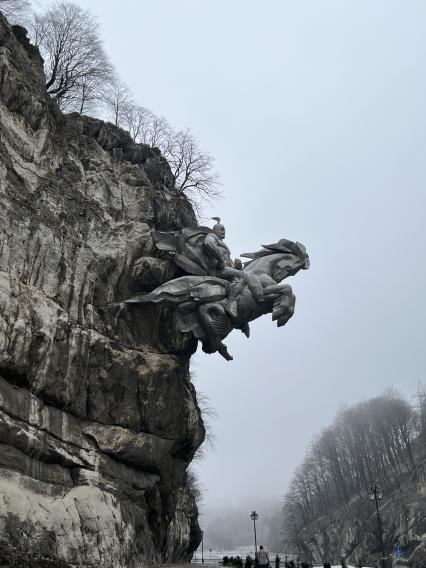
377,441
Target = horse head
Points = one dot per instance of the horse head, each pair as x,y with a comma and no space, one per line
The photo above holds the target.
279,260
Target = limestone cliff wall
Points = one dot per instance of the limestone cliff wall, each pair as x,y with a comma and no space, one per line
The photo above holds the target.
98,417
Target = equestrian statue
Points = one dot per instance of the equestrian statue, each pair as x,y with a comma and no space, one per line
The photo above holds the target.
218,295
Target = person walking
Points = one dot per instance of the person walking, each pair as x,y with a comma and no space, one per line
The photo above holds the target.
263,557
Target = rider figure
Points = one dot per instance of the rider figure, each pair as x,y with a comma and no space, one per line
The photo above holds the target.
222,266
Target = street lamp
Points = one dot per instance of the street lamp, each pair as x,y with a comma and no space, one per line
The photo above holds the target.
202,547
376,495
254,516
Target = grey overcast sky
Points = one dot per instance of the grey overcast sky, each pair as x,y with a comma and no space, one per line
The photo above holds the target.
316,114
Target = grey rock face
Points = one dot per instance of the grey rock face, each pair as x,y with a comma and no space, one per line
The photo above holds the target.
98,416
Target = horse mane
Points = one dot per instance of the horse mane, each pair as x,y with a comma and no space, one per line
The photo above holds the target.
282,246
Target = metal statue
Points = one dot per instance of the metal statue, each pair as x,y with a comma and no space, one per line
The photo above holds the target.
219,294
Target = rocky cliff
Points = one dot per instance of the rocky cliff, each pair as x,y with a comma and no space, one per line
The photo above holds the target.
98,416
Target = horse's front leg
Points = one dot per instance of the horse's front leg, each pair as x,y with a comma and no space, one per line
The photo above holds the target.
284,303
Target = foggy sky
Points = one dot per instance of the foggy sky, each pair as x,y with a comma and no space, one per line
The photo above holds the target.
315,112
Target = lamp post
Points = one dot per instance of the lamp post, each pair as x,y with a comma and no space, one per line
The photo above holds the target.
202,547
254,516
376,495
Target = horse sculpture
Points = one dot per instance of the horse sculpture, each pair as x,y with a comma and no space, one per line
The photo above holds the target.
202,299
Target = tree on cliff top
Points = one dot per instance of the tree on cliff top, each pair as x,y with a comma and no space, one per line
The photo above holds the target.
117,100
192,167
76,65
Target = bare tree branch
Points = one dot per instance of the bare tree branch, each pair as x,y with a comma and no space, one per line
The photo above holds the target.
118,102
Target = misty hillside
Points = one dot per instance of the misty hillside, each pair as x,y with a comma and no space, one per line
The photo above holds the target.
327,511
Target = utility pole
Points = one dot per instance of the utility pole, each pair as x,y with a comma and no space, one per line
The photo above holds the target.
376,495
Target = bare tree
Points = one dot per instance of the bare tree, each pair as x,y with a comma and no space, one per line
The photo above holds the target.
92,88
76,65
118,103
147,128
192,167
159,133
137,121
16,11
